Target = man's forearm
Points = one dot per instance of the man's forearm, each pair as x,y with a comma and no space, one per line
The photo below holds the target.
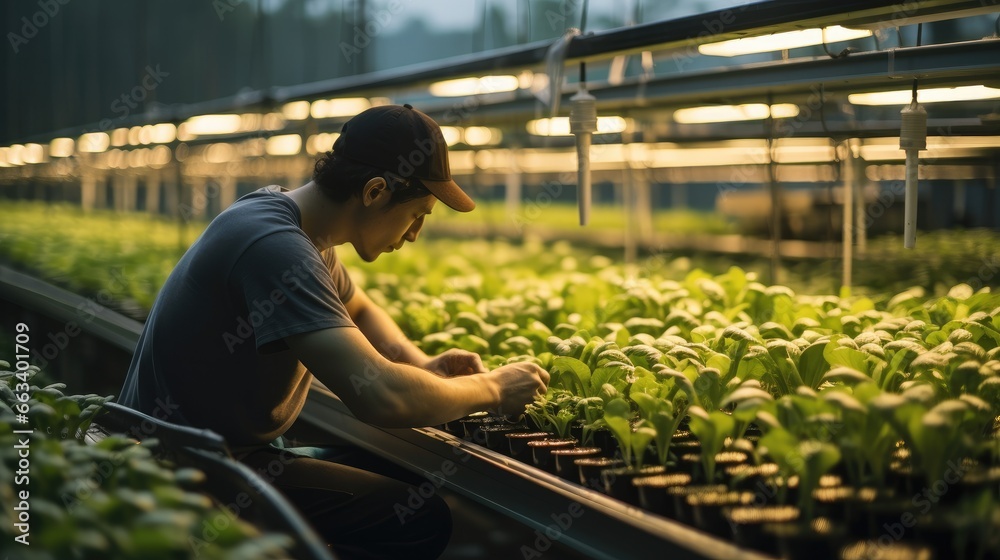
386,336
385,393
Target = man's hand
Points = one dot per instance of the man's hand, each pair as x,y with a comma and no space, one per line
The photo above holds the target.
519,383
455,362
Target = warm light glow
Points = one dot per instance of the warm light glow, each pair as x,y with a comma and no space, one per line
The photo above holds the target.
137,158
284,145
133,135
321,143
61,147
93,142
295,110
482,135
474,86
782,41
212,124
163,133
525,79
344,107
146,134
159,157
559,126
220,152
938,147
272,121
929,95
5,157
733,113
33,153
119,137
15,154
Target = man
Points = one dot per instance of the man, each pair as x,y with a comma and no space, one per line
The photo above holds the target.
260,301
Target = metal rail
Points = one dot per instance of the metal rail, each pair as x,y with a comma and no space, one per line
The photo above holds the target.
56,303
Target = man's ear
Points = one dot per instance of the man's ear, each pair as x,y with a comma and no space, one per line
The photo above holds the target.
375,190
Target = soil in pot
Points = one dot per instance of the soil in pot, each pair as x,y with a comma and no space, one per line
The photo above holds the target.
892,550
517,444
564,459
653,491
541,451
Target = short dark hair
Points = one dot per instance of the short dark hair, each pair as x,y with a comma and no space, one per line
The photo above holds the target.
340,178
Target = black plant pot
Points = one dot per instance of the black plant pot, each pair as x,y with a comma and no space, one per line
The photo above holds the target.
707,507
541,451
888,512
691,464
471,425
495,436
753,478
603,438
453,427
618,481
565,461
684,447
819,539
848,504
518,444
753,527
590,470
676,500
792,485
653,491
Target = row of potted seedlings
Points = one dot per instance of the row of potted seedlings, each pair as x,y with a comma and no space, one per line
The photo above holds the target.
790,440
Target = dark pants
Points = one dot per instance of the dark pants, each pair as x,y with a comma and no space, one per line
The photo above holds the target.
357,502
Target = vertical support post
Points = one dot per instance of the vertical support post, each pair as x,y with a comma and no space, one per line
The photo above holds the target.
88,191
848,187
860,180
775,188
153,181
513,183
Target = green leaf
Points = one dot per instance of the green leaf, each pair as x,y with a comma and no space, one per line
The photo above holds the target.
572,375
812,364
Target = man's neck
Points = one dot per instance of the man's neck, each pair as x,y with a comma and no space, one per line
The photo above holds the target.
326,222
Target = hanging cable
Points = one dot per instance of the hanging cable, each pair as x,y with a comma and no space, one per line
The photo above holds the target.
826,47
912,139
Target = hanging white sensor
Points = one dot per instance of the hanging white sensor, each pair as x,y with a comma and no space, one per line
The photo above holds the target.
583,123
912,139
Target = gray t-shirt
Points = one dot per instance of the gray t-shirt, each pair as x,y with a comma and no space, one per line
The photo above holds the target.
212,352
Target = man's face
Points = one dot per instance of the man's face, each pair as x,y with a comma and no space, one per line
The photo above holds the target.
387,227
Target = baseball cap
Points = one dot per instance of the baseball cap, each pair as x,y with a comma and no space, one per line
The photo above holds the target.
404,141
